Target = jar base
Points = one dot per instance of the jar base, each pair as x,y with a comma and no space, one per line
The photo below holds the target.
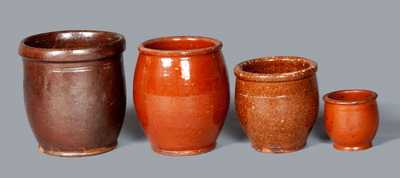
184,152
277,150
352,148
88,152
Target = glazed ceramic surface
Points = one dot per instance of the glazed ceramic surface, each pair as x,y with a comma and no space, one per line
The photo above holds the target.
74,90
351,118
181,93
276,100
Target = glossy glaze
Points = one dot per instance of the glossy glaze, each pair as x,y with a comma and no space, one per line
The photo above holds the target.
351,118
181,93
276,100
74,90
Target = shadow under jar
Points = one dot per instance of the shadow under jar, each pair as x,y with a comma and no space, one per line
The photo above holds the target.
276,100
181,93
74,90
351,118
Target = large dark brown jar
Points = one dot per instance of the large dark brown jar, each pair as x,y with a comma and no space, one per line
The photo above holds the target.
277,101
74,90
181,93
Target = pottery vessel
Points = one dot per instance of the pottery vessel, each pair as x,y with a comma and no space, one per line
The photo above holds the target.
181,93
276,100
74,90
351,118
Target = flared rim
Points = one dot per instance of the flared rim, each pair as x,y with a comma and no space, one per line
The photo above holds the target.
350,96
43,46
212,46
304,67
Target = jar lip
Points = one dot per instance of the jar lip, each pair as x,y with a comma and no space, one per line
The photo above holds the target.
214,46
305,72
30,48
332,97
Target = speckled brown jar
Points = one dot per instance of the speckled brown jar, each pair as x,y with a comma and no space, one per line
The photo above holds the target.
277,101
74,90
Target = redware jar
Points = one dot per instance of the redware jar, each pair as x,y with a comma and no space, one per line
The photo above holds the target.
74,90
276,100
351,118
181,93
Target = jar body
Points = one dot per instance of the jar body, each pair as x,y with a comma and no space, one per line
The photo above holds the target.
351,127
75,108
181,100
277,116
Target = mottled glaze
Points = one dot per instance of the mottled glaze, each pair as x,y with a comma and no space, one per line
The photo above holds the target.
181,93
74,90
276,100
351,118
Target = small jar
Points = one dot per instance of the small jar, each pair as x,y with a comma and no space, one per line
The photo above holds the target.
351,118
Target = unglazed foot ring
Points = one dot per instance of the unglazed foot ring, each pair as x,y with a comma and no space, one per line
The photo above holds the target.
352,148
81,153
184,152
277,150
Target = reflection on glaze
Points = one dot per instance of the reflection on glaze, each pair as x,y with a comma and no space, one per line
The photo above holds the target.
185,68
72,69
166,62
66,35
79,51
55,53
87,34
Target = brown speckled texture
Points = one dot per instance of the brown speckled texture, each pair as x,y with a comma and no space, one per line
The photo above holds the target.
74,90
277,101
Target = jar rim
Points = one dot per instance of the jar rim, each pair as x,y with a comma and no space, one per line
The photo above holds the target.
147,48
52,46
348,96
306,68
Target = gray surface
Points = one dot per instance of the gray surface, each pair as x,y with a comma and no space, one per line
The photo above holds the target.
356,45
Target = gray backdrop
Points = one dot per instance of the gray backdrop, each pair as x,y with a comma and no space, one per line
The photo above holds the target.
356,44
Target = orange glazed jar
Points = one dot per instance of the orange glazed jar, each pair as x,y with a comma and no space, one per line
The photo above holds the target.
351,118
181,93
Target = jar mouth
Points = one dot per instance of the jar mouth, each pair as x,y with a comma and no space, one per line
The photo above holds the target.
275,69
351,96
180,45
71,45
